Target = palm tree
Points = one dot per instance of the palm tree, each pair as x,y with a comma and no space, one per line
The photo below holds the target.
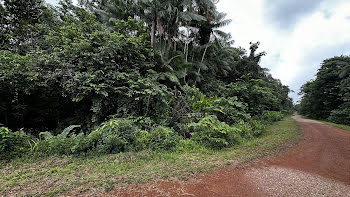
109,11
164,17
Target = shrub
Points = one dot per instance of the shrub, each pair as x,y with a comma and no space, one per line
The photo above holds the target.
199,102
163,138
227,109
271,116
214,134
245,129
114,136
61,144
257,127
340,116
287,112
233,111
142,140
12,144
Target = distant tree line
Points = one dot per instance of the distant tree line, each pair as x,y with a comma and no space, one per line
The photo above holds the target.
328,96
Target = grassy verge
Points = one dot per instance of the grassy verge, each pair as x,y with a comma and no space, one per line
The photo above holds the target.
340,126
62,175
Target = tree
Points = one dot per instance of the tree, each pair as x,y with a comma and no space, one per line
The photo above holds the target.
327,97
18,24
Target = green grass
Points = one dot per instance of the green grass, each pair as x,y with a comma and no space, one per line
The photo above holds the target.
61,175
340,126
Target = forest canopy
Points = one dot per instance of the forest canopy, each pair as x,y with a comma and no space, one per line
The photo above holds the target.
127,75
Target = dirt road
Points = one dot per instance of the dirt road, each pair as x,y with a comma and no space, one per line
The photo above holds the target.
318,166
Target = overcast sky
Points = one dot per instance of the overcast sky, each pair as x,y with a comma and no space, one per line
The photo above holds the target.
296,34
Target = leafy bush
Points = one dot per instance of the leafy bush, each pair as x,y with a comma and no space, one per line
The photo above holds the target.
257,127
12,144
207,105
162,138
214,134
227,109
271,116
233,111
61,144
200,103
245,129
286,112
340,116
142,140
114,136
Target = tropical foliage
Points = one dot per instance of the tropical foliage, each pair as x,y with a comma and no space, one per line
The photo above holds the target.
328,96
125,75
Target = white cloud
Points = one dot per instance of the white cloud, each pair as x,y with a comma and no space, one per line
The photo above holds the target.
294,55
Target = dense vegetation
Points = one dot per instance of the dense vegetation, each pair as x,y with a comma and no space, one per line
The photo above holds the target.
116,76
328,96
94,175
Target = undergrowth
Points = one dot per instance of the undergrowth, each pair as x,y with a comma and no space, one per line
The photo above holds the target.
55,175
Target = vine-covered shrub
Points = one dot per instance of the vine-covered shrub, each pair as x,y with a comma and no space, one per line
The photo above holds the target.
271,116
158,139
233,111
340,116
12,144
61,144
120,135
245,129
124,135
113,136
162,138
214,134
257,127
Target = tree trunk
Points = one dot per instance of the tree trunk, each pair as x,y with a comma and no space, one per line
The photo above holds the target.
153,33
205,51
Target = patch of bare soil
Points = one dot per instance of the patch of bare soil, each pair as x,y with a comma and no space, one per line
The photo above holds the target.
278,181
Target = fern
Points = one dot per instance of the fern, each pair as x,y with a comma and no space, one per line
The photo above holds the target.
67,130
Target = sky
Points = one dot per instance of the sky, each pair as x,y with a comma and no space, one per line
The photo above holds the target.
296,34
